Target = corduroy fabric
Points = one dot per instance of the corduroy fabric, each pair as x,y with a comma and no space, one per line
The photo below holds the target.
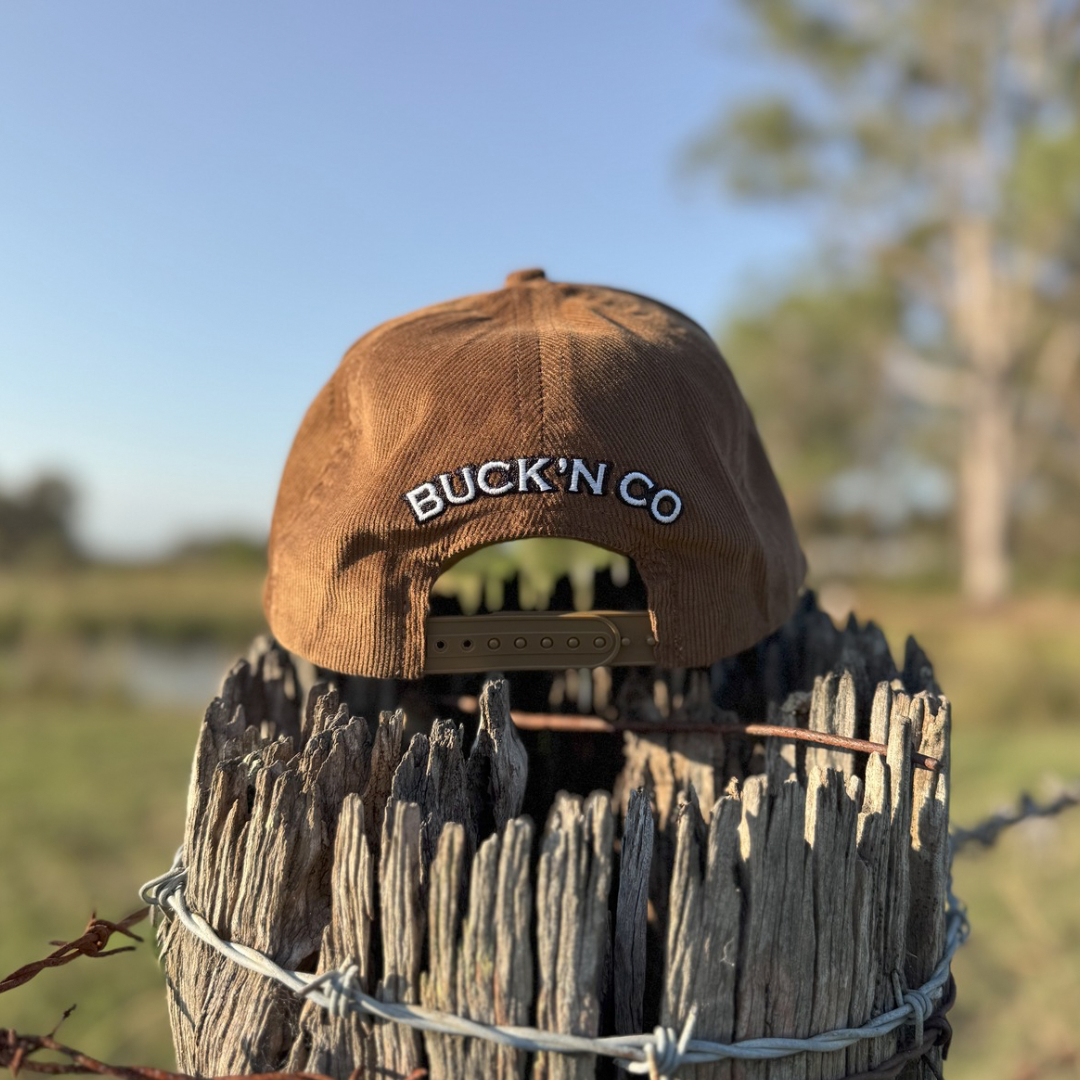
537,368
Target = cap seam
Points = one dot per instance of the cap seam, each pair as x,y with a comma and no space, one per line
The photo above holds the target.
535,322
314,491
670,627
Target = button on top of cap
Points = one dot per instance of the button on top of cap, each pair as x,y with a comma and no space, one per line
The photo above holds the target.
519,276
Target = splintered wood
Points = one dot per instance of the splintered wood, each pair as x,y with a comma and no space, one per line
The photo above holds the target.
773,888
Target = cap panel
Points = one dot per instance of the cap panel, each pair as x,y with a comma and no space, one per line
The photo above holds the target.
703,430
660,402
456,386
310,469
433,375
412,399
528,303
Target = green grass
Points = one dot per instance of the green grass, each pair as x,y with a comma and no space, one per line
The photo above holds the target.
92,802
1018,977
176,602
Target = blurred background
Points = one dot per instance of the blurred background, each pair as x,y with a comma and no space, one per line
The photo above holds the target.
874,206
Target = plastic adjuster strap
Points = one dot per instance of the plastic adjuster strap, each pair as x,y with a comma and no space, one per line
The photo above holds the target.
538,641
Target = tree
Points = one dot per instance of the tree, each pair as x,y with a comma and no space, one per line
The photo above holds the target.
36,524
940,144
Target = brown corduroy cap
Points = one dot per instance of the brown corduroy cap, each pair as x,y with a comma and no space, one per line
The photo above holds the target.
539,410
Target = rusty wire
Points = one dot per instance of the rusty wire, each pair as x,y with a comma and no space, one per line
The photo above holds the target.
987,831
92,943
16,1054
597,725
16,1051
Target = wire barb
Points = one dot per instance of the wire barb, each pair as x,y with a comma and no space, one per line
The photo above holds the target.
987,831
91,943
667,1050
340,985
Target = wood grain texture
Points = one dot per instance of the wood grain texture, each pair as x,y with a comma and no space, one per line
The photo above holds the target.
717,976
756,942
498,766
480,957
324,1043
789,904
898,891
832,805
573,879
402,919
928,865
631,919
870,885
496,971
513,971
703,932
685,913
439,983
259,851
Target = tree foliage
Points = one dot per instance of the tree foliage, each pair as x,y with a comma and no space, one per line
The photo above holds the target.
940,146
800,359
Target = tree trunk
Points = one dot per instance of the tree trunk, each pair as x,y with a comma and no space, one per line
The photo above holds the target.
985,334
986,459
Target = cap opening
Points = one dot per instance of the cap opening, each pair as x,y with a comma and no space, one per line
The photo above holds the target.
538,574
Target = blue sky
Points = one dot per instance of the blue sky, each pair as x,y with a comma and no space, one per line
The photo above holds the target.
202,205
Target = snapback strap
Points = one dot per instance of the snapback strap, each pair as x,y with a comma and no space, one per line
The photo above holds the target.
538,640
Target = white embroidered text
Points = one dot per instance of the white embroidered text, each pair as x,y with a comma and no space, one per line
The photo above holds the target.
528,475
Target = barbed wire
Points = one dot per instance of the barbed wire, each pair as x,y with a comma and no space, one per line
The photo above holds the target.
660,1053
656,1054
16,1054
990,828
92,943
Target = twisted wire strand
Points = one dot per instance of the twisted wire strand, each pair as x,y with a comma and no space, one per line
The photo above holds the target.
990,828
658,1054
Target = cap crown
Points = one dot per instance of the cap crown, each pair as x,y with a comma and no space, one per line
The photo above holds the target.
539,410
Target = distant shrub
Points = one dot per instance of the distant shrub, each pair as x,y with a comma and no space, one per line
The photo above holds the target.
36,524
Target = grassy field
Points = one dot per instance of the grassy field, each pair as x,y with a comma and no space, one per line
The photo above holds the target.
171,602
92,802
92,793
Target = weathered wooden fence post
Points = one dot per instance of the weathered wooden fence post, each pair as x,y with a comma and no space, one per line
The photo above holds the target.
774,887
